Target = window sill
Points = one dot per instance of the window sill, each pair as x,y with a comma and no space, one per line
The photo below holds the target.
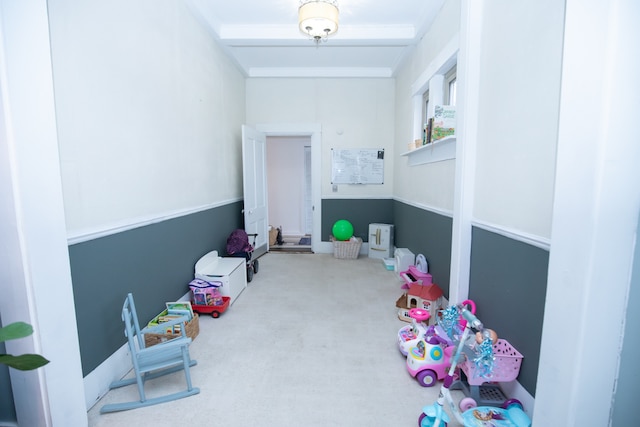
443,149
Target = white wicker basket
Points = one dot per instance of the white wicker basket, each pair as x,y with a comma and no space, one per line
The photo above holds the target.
346,249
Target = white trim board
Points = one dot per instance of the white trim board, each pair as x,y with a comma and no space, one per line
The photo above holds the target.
443,212
530,239
133,223
468,73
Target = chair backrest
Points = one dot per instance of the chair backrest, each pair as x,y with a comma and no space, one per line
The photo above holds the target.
131,324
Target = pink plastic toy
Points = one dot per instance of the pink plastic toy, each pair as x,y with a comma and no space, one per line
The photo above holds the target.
408,336
511,412
429,360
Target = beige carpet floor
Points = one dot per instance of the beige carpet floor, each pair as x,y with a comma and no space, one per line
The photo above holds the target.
311,342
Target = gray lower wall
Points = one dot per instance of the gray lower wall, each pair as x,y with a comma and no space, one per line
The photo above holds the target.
154,262
508,283
427,233
359,212
419,230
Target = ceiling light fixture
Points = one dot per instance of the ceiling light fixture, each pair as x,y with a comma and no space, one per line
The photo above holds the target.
318,18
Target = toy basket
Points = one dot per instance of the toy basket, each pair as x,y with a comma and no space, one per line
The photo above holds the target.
346,249
506,365
192,329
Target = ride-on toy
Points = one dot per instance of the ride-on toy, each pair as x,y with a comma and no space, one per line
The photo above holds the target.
214,310
511,414
409,335
429,358
207,299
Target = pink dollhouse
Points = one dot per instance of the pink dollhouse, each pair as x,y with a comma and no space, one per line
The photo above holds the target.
428,297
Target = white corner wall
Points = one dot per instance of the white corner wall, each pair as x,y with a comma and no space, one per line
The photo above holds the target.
595,219
519,82
35,278
149,113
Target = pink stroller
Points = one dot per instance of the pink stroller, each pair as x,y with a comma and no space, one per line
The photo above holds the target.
238,246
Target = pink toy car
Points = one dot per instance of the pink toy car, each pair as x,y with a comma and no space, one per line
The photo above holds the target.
429,360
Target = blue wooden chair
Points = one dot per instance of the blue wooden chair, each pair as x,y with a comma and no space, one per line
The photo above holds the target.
154,361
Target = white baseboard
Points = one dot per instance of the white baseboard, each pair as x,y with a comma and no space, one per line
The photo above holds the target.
327,248
324,248
96,384
514,390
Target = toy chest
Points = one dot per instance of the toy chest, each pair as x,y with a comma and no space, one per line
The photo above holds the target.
192,329
346,249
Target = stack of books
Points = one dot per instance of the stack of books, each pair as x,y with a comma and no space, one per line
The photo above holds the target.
443,123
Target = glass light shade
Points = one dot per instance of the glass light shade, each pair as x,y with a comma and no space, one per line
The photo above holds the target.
318,18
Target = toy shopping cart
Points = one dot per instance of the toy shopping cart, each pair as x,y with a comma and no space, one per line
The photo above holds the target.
482,390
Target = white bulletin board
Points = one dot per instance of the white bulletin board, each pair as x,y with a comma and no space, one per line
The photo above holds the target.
357,166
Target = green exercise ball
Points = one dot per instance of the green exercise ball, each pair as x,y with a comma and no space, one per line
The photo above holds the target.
342,230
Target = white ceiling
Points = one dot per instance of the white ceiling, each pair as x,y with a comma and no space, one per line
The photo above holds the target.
372,40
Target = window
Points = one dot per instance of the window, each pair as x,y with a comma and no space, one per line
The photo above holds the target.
425,106
450,86
436,85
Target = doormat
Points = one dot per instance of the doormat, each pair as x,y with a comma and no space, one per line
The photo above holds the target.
291,249
305,241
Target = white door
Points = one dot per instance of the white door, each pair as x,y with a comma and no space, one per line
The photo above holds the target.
254,185
308,193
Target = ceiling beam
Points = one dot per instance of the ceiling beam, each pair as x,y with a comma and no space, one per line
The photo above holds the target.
321,72
290,35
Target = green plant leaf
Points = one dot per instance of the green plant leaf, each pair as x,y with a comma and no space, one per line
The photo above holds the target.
24,362
15,330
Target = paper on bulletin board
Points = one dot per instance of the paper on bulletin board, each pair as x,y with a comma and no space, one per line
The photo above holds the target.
357,166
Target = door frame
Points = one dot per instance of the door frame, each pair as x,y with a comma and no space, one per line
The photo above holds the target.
256,208
314,131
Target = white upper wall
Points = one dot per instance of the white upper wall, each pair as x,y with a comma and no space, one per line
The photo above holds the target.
149,113
518,117
149,110
518,114
430,185
353,113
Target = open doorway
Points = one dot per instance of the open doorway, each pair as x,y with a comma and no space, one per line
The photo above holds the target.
311,208
289,188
